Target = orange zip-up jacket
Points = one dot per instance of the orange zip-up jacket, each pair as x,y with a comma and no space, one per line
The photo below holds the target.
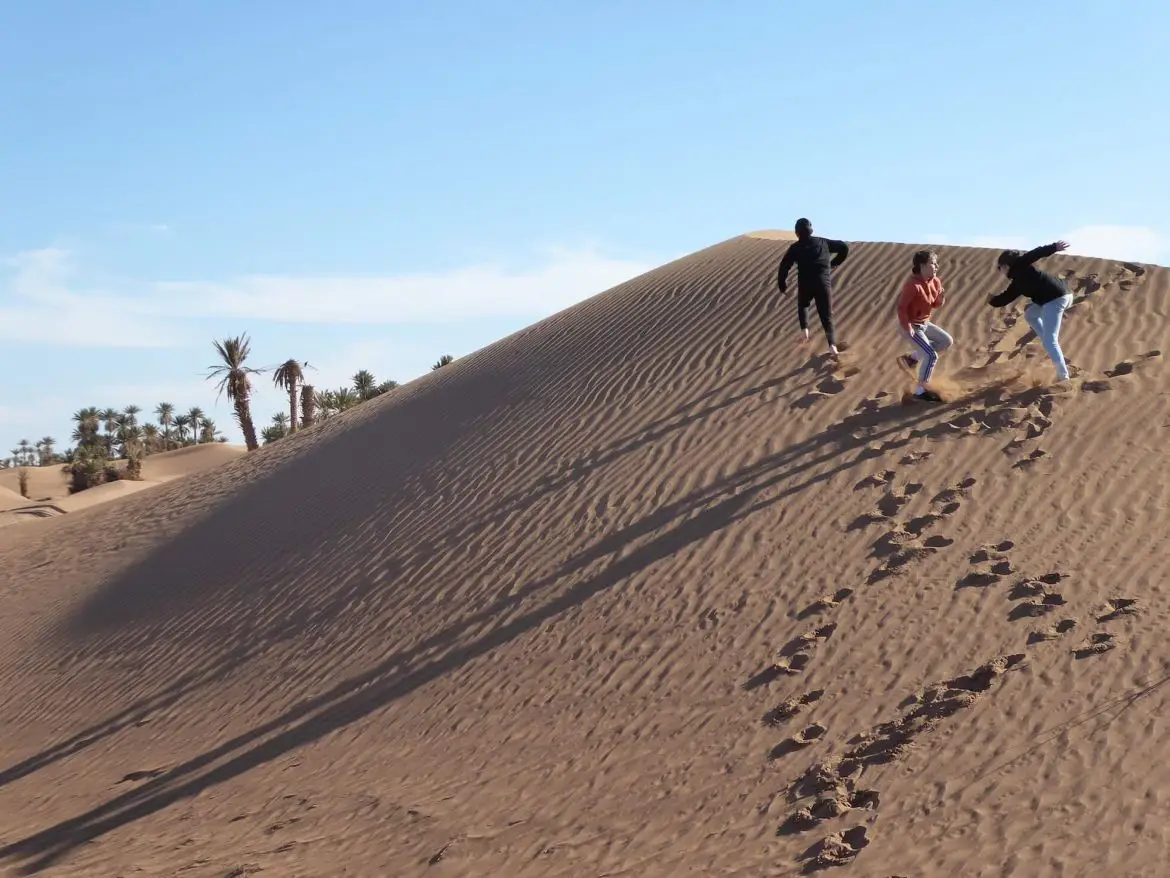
919,299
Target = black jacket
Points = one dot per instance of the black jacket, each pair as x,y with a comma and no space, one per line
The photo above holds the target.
1028,280
813,266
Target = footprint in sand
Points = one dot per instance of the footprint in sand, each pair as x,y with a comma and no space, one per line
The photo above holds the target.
782,667
996,552
1116,608
838,849
1039,606
831,385
899,561
916,457
877,480
978,579
947,496
808,639
1031,459
841,802
782,713
1096,387
804,738
893,501
867,405
891,542
990,564
1064,626
1128,367
826,603
865,520
793,657
147,774
1097,644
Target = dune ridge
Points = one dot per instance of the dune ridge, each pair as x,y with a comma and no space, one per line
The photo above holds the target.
643,588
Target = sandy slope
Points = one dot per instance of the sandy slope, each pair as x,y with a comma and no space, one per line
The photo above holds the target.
643,590
50,484
10,499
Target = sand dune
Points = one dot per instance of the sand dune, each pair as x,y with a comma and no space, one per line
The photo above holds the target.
642,590
190,460
50,484
10,499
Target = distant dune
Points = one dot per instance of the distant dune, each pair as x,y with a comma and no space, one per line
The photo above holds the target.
645,589
10,499
50,484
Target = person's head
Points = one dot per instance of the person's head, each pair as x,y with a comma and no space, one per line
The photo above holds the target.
803,228
1006,260
925,264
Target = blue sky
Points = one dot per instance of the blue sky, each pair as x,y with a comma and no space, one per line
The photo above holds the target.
373,184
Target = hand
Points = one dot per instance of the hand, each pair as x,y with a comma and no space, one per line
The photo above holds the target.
1060,245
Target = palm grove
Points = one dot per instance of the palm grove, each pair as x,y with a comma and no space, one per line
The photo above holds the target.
109,444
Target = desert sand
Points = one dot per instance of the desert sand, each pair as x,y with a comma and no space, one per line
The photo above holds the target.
646,589
48,486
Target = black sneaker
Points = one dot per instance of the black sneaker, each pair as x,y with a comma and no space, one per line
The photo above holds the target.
928,396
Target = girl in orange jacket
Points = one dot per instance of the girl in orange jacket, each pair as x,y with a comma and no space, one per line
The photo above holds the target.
921,294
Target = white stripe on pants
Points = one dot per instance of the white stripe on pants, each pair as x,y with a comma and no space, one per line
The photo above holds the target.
927,340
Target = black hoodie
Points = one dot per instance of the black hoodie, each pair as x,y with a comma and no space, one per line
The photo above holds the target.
1028,280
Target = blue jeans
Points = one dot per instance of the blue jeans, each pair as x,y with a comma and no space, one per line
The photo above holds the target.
1045,322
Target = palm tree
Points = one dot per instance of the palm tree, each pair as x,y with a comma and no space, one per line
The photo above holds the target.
234,379
364,384
196,415
45,450
110,424
386,387
88,424
207,431
344,399
288,375
133,451
182,422
131,413
27,457
280,421
166,417
150,436
308,405
278,429
324,403
444,360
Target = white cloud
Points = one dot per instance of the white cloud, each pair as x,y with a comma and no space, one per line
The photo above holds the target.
39,304
490,290
47,300
1131,243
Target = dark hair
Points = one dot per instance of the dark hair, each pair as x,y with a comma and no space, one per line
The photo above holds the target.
803,226
921,257
1007,257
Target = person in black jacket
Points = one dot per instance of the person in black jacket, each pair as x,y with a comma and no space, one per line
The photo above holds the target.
1050,297
814,283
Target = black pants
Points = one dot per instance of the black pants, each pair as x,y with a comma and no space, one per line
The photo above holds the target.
824,300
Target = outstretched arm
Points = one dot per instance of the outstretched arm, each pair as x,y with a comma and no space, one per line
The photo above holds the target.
840,251
1042,252
785,267
1005,298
